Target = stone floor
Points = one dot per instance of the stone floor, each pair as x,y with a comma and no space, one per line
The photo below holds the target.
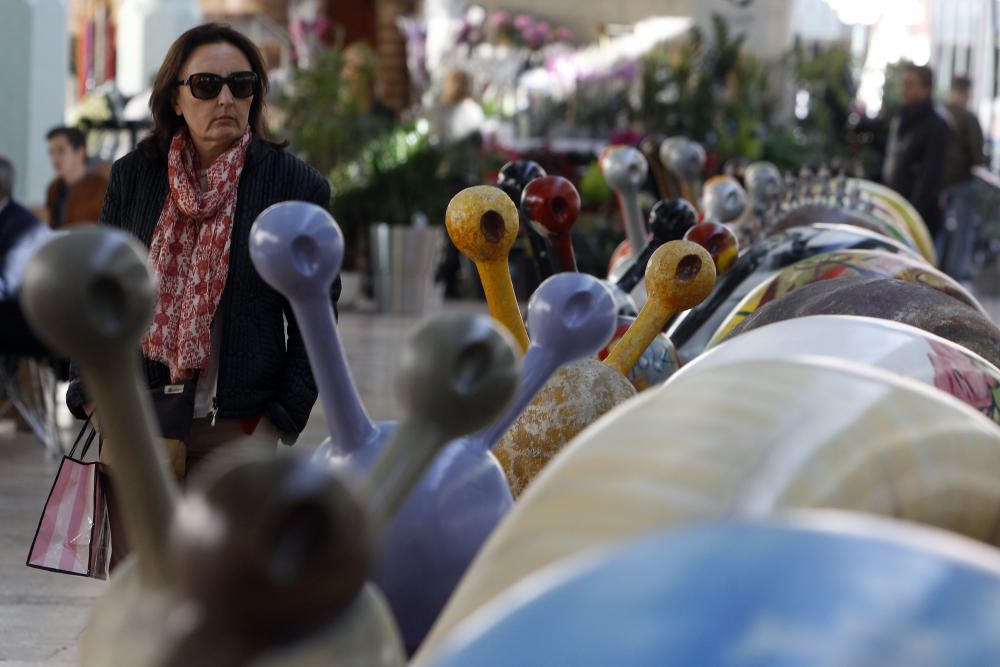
42,614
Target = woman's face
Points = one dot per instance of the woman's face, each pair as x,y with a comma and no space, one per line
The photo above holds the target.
218,121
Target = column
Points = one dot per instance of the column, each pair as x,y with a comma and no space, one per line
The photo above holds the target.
34,75
146,29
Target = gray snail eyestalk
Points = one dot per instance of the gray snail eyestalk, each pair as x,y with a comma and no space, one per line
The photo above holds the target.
457,374
89,295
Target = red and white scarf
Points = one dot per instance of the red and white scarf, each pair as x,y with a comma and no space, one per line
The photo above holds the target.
189,253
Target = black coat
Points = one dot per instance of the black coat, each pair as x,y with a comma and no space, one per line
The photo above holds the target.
258,371
16,225
915,158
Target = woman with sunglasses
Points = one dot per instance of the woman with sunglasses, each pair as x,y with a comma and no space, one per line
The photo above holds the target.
190,192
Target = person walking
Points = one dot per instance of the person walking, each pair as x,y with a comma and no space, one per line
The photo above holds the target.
919,137
76,194
965,153
191,192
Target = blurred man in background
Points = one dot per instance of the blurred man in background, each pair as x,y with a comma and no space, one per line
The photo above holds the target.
965,153
919,137
76,195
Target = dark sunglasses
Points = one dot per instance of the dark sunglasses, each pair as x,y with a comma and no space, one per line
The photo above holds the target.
205,86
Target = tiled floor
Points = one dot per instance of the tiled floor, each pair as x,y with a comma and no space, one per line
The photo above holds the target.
42,614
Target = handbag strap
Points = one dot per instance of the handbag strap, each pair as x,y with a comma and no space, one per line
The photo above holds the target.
86,442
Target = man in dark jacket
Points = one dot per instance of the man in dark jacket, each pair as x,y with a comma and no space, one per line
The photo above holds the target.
966,152
918,145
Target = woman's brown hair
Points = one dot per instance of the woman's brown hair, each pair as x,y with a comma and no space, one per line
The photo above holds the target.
161,101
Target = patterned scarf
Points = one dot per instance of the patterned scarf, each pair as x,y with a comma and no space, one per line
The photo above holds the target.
190,255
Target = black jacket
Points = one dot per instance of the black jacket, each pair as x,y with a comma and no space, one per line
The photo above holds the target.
258,371
17,224
966,149
915,158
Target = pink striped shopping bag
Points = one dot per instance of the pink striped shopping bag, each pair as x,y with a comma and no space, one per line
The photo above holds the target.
73,532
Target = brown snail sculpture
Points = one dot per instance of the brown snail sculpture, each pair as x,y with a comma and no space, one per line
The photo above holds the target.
264,561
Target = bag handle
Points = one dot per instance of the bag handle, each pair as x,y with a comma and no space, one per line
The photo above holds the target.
79,437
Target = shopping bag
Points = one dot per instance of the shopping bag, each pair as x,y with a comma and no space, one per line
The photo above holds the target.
73,533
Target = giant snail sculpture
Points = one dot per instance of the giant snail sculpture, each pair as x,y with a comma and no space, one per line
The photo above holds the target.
837,265
625,171
264,561
680,275
799,432
552,205
512,178
297,249
886,344
691,331
836,199
731,592
685,159
910,303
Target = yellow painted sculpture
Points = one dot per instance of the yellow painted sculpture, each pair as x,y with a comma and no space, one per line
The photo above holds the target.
482,223
680,275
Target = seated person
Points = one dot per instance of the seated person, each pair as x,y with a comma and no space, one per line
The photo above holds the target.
21,233
76,195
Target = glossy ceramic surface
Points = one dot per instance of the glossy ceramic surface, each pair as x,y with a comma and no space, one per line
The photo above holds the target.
764,183
667,183
692,330
843,201
887,299
891,346
686,159
879,593
483,224
625,171
720,242
149,613
512,177
658,362
838,264
297,248
552,205
669,220
889,204
798,433
723,199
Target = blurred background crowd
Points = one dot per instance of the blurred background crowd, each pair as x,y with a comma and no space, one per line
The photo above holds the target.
403,102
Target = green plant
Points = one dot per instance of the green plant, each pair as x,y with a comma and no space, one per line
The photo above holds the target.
401,176
824,76
325,122
709,90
